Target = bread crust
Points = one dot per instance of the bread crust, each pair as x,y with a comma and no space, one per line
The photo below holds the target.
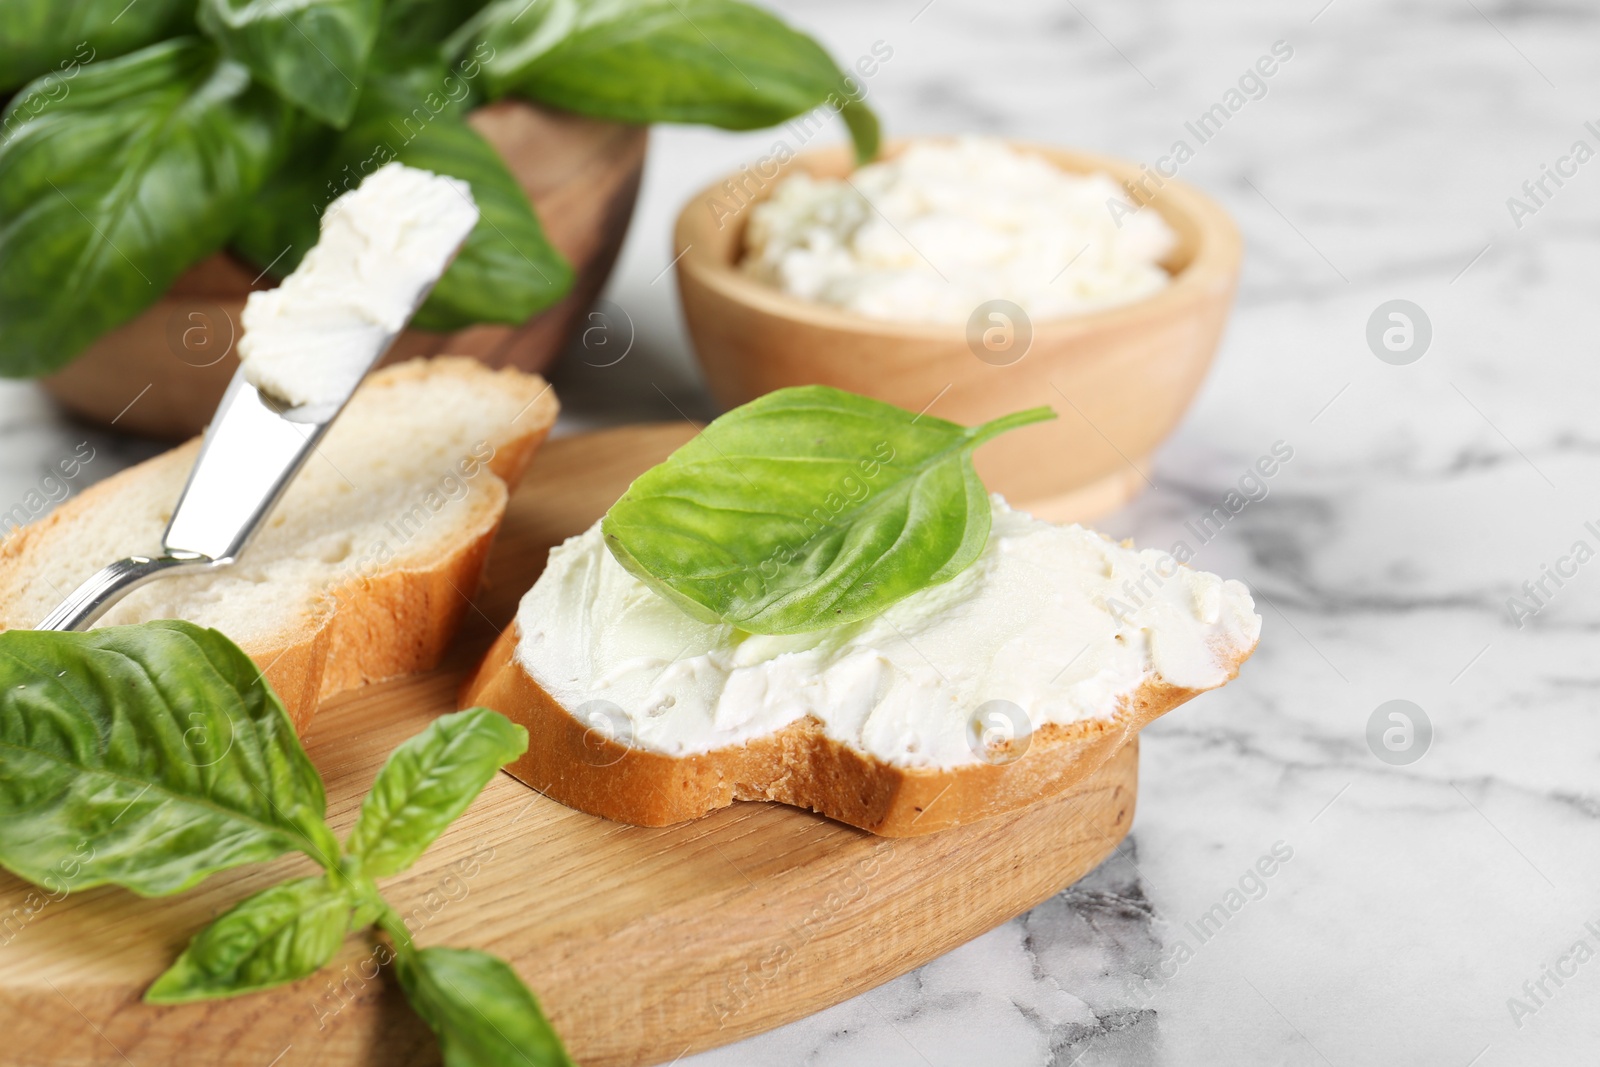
797,765
391,623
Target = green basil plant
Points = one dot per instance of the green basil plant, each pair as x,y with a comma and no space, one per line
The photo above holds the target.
139,139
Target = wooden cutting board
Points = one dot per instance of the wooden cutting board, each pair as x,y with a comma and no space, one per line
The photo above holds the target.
642,944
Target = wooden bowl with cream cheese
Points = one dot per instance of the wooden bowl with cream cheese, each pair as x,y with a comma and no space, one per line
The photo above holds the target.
1119,379
162,374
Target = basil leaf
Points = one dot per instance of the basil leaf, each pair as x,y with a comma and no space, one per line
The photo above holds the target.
110,193
807,508
481,1011
44,36
718,62
426,783
862,122
148,757
313,52
506,271
278,935
419,28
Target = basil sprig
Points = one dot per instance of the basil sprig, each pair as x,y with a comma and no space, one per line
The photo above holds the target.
808,508
118,174
152,756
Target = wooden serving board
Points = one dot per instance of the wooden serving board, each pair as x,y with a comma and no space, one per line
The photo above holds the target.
642,944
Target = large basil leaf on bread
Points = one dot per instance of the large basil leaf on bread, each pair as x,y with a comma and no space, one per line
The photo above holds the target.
146,757
44,36
427,782
111,192
280,934
506,271
313,52
807,508
481,1011
719,62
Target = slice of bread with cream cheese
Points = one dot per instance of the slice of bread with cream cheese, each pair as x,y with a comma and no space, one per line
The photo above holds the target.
365,567
1008,683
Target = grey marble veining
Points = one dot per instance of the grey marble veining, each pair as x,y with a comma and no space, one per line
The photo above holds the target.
1426,913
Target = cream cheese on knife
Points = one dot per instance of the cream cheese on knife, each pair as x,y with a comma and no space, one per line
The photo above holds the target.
383,244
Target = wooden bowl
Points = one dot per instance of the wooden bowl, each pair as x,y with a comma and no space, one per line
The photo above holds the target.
1119,379
162,374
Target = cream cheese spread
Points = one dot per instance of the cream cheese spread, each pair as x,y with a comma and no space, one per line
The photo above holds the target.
382,246
1056,620
946,226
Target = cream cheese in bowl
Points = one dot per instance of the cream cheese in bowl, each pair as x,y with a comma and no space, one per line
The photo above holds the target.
946,225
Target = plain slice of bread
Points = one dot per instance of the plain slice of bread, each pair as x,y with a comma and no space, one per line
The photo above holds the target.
581,766
364,569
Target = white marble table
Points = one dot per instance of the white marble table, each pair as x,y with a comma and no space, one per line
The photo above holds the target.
1420,903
